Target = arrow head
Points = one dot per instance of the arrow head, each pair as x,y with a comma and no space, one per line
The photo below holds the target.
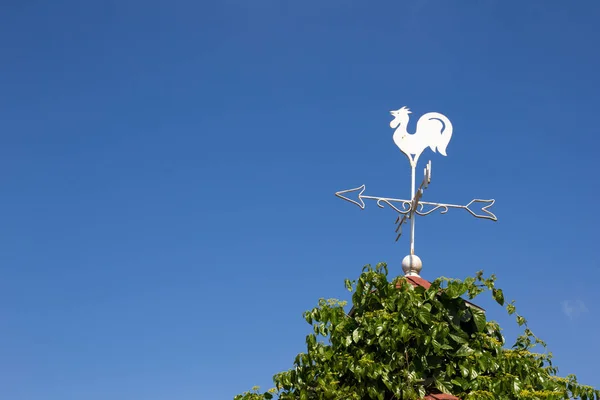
487,213
360,191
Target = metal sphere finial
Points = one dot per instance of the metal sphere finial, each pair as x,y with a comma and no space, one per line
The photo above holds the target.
412,265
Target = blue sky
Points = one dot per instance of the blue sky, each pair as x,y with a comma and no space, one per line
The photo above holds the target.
167,172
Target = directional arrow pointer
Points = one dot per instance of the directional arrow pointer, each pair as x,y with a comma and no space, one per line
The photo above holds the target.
360,202
404,207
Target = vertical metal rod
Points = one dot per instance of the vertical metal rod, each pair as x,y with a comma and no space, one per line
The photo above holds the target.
413,165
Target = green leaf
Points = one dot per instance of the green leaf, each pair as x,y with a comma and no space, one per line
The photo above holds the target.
511,309
498,296
479,318
455,289
356,335
463,351
442,386
404,332
424,316
516,386
348,340
474,374
348,284
457,339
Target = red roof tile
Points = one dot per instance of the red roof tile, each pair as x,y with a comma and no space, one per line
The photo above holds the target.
440,396
418,281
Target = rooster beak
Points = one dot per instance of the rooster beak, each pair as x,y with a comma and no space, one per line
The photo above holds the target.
392,112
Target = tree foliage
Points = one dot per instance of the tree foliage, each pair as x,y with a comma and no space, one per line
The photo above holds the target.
403,342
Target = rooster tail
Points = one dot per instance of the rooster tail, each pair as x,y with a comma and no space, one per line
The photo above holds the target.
442,140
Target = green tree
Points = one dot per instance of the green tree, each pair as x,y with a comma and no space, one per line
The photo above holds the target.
401,341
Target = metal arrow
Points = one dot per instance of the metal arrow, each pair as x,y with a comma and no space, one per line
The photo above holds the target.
404,207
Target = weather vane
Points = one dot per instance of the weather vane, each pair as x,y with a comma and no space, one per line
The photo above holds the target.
434,130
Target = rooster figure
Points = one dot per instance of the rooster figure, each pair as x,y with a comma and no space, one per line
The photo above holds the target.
434,130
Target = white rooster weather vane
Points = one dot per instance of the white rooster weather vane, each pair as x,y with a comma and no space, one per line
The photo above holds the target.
434,130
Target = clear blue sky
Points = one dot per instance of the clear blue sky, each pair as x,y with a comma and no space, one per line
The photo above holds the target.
167,172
